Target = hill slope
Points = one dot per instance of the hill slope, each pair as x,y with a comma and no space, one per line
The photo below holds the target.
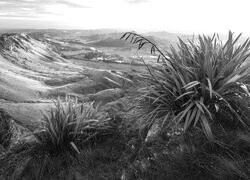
25,64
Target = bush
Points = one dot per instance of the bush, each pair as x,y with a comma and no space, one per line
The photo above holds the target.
197,83
5,129
71,125
200,89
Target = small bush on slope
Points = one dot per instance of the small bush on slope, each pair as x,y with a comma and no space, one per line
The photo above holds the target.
201,87
70,126
5,129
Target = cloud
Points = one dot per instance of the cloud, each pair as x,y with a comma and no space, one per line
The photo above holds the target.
136,1
67,3
33,8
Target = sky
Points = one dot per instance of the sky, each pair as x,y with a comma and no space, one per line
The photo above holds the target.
182,16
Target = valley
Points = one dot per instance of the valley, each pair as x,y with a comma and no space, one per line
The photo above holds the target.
37,67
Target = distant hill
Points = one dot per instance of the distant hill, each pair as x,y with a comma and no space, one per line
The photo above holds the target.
109,42
113,40
106,37
172,38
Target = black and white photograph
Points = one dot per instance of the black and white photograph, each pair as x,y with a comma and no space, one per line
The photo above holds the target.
124,90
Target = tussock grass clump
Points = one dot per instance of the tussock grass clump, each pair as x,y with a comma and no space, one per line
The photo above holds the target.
198,82
55,147
70,125
202,89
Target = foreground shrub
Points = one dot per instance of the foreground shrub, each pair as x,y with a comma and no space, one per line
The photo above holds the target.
198,83
201,88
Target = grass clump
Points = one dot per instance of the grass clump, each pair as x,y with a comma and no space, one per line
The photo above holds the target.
71,125
202,89
198,82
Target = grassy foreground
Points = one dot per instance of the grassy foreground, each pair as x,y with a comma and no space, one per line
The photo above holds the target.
190,121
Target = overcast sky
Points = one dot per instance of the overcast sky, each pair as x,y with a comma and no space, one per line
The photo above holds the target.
185,16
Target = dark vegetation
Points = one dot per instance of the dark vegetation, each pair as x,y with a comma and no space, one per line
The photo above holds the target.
188,118
5,129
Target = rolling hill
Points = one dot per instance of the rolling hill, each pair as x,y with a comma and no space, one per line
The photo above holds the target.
26,64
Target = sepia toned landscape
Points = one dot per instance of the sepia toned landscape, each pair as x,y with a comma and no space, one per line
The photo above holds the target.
81,103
